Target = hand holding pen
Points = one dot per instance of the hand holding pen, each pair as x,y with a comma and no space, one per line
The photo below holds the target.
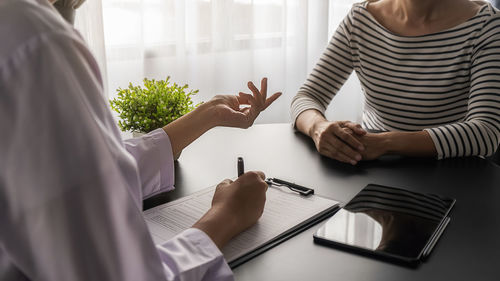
236,205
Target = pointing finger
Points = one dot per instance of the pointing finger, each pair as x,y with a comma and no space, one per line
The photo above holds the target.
254,90
271,99
263,89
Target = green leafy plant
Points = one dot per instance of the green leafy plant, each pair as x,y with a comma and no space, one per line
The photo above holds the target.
143,109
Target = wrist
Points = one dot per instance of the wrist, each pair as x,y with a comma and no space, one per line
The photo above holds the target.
219,225
307,122
316,121
208,115
188,128
385,142
416,143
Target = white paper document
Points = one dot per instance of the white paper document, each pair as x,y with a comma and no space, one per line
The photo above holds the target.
284,210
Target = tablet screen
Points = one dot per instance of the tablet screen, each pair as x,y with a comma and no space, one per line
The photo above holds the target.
388,221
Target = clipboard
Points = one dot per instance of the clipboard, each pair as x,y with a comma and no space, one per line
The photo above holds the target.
281,220
397,225
285,236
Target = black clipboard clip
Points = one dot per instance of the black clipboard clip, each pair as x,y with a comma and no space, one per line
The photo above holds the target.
302,190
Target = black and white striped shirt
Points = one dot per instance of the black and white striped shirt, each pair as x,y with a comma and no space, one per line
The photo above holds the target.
447,83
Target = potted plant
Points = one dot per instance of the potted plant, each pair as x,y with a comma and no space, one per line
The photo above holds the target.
159,102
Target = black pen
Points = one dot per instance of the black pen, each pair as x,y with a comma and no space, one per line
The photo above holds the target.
241,166
292,186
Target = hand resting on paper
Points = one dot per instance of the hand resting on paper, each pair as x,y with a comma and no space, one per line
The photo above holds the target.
236,205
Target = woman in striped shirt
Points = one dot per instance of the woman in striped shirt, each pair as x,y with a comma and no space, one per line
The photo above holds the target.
430,73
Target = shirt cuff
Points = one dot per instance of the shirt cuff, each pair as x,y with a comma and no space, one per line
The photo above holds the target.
302,104
165,161
438,144
203,241
153,155
192,255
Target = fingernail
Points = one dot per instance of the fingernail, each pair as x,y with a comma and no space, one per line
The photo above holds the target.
361,148
353,162
358,157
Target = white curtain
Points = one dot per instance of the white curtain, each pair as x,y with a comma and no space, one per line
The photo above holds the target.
89,22
217,45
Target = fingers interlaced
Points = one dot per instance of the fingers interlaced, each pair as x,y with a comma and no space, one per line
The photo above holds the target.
338,155
340,143
349,139
348,130
345,149
355,128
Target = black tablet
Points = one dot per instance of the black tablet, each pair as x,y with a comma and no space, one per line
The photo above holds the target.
388,223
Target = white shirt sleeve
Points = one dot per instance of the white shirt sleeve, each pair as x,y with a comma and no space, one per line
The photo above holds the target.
205,263
153,154
68,204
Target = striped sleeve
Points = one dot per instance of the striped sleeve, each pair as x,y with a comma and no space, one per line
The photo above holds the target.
330,73
479,133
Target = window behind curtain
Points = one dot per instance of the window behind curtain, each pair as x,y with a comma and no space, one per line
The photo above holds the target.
218,45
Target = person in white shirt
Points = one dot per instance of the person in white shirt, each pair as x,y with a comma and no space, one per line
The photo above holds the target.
71,189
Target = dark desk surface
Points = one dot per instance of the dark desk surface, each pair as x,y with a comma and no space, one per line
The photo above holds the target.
468,250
